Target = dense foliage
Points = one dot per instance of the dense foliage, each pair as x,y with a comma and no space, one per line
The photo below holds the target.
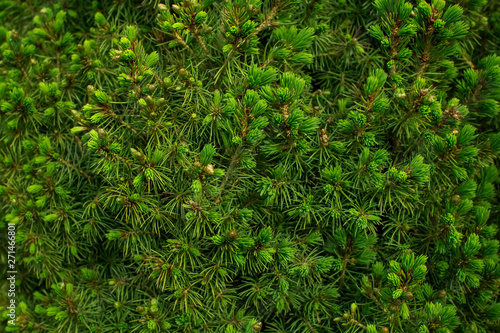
251,166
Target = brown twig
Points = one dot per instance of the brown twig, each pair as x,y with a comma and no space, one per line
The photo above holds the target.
72,167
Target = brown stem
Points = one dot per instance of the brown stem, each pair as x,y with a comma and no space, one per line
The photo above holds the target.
23,70
267,21
425,58
123,123
232,165
180,40
376,301
345,262
266,63
468,61
200,40
344,269
355,322
72,167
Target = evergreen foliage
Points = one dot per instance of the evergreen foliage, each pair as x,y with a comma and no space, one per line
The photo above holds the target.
251,166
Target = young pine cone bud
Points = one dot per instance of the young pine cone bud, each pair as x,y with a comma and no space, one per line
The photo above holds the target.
257,327
102,134
137,154
232,235
76,115
161,7
90,89
424,92
400,93
209,169
430,98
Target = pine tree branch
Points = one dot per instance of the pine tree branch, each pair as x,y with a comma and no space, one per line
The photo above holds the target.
179,39
232,165
345,262
121,121
72,167
376,301
266,23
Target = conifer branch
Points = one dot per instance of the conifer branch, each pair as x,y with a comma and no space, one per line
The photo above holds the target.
72,167
260,159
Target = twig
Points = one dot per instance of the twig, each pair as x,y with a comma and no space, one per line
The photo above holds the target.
123,123
232,165
72,167
180,40
355,322
266,23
